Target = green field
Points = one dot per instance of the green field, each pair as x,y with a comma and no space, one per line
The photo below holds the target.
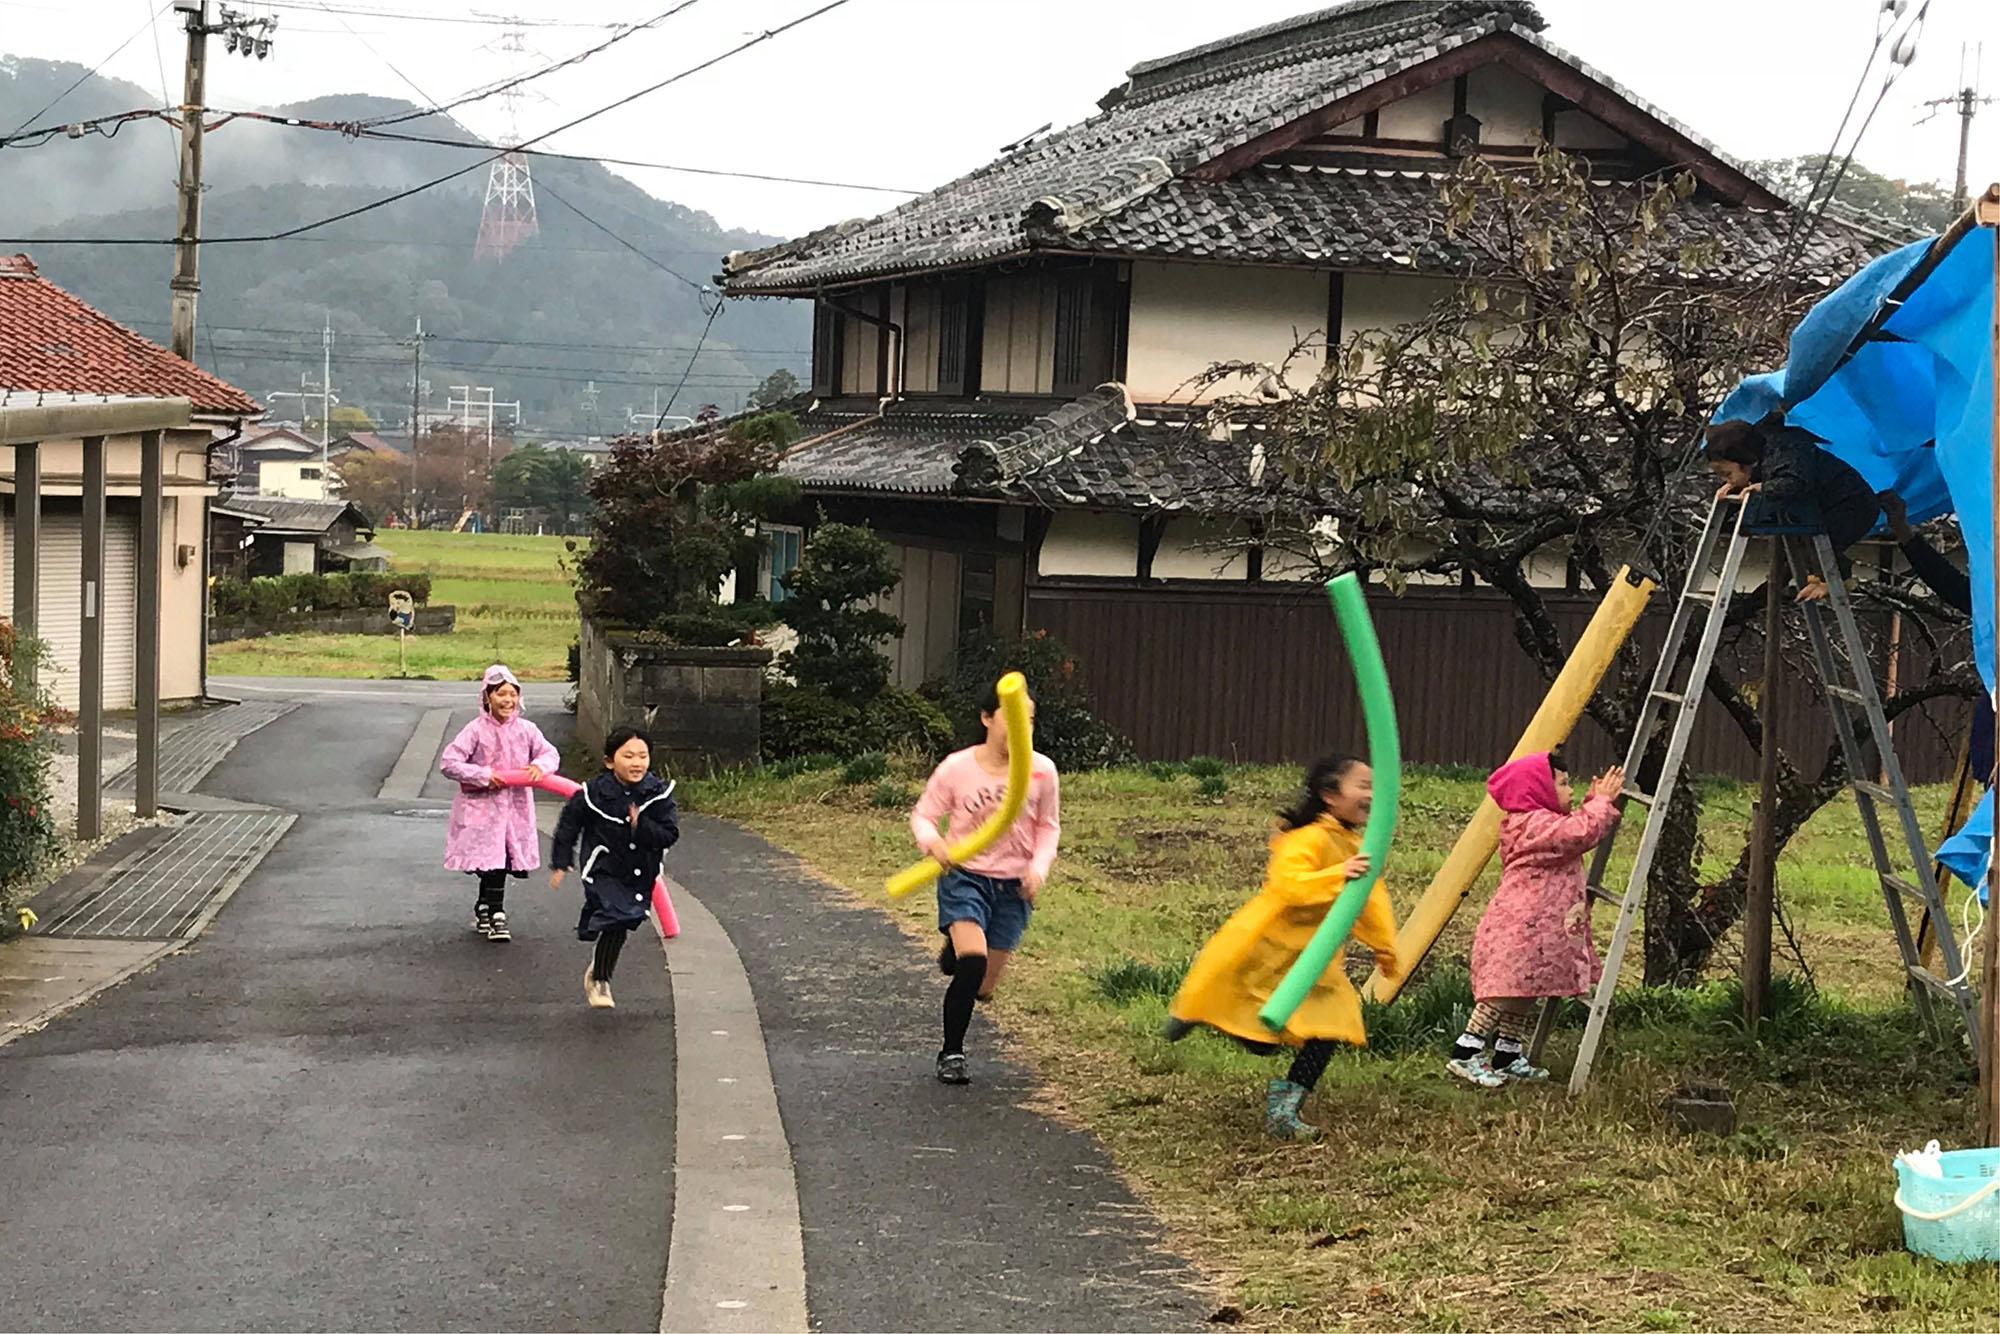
515,605
1429,1205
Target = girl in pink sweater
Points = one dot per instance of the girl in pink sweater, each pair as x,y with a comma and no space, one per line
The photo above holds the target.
984,905
1534,939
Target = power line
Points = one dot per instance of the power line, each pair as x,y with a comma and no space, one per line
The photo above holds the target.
550,191
88,74
400,195
467,20
671,398
515,342
578,58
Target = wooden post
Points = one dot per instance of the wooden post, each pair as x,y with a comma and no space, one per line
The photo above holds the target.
27,549
1989,970
1760,895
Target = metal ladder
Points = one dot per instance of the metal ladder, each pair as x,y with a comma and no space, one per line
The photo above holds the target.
1851,696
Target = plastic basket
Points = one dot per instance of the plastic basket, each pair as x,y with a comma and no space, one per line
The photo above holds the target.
1955,1218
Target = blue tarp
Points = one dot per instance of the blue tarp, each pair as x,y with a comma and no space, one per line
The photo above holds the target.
1911,409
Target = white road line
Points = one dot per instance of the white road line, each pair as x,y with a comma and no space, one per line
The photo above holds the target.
406,781
736,1258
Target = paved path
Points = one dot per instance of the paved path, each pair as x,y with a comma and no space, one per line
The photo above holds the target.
340,1109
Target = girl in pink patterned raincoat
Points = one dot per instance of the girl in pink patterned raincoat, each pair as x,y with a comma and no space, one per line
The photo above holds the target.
492,831
1534,939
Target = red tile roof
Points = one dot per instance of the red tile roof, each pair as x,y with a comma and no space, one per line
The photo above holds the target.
51,340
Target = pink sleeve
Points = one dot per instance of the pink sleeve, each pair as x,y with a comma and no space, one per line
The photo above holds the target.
456,762
1048,826
935,801
546,757
1583,828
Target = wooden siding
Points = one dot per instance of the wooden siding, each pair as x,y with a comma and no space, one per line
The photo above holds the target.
1260,675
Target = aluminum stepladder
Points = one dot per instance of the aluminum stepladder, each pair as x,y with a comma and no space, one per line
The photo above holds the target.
1850,694
1848,682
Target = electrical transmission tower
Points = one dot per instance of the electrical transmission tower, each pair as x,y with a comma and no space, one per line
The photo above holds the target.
508,218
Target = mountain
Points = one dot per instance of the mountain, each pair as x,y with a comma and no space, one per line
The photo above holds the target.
570,307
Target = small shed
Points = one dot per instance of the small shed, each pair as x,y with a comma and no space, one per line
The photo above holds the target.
277,535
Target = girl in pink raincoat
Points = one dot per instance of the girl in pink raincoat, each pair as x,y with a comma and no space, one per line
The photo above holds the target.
1534,939
492,832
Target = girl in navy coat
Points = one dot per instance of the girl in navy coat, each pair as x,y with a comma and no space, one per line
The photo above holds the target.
620,822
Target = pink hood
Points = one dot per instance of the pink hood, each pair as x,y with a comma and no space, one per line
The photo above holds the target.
1527,784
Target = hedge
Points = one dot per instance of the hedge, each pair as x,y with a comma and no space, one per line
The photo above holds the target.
286,594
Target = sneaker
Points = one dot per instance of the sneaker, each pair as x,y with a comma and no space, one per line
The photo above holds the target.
482,920
1282,1099
597,993
1475,1071
1518,1068
947,958
951,1068
496,927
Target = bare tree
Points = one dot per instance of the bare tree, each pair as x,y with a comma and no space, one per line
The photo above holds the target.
1546,410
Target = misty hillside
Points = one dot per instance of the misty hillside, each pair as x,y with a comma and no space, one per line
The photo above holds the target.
569,307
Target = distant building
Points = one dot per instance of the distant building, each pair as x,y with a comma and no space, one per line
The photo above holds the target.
260,535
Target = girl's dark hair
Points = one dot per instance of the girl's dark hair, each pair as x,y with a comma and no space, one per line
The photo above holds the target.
1322,778
1558,760
989,702
618,736
1736,442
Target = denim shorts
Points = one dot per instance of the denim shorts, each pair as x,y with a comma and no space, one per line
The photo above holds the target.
996,905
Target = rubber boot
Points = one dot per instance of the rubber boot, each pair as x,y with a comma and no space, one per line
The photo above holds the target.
1282,1099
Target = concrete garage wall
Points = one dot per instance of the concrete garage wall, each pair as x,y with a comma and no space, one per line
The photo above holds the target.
700,706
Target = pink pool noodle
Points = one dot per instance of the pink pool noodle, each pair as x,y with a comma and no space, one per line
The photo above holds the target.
663,904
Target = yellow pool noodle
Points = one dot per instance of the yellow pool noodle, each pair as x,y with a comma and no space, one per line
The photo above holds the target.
1020,756
1561,707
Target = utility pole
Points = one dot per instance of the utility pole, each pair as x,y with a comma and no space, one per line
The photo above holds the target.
416,407
326,403
1966,102
244,34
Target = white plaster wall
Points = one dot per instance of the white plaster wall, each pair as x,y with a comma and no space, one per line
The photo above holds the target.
287,479
1381,301
1508,105
1186,317
1082,543
1418,116
1184,552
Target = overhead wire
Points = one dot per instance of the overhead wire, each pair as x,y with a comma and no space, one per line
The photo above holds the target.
398,196
89,73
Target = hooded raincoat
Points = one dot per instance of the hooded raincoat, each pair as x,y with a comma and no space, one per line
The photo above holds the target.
493,828
1534,939
1243,962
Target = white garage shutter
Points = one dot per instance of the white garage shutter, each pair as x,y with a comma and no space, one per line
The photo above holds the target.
61,608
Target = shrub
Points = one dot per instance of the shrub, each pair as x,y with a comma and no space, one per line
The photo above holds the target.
1067,728
1212,785
842,571
274,597
797,721
28,837
1205,766
889,793
869,767
575,660
1162,771
903,720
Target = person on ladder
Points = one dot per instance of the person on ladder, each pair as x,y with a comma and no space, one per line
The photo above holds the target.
1792,485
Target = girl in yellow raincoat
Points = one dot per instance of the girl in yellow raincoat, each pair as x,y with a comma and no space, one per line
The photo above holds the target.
1314,853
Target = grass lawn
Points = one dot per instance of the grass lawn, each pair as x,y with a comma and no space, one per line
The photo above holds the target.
515,605
1429,1205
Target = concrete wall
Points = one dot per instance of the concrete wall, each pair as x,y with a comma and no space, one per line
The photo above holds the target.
701,706
1186,317
184,463
294,479
438,619
1082,543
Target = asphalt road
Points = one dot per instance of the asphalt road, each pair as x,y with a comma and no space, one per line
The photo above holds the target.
342,1109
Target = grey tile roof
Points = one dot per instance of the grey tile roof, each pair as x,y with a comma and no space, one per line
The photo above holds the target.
1092,453
282,514
1361,218
1072,189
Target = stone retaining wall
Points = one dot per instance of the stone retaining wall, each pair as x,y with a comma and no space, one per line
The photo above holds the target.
437,619
700,706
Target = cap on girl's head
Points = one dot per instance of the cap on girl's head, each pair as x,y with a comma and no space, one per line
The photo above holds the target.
498,674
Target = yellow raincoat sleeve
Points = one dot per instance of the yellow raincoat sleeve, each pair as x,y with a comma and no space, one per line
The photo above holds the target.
1298,877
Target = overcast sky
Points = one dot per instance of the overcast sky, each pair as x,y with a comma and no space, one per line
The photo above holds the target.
910,93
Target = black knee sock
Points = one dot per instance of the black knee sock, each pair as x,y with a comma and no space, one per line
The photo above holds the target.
492,891
1506,1051
958,999
608,945
1469,1044
1310,1063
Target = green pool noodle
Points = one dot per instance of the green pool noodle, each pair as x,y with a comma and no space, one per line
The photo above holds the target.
1385,757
